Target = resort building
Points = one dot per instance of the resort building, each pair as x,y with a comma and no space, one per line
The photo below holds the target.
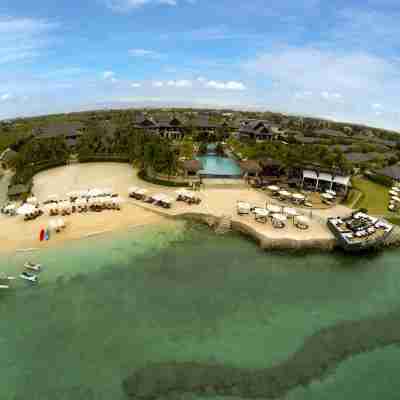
173,127
319,181
70,131
258,130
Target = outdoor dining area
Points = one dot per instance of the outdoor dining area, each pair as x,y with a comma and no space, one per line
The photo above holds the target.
359,227
279,216
394,201
285,195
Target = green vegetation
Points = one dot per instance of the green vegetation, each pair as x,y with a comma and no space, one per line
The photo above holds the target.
293,154
375,197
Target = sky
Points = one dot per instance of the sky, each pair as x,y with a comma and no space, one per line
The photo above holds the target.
335,59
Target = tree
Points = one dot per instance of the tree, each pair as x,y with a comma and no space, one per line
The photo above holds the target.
219,149
203,148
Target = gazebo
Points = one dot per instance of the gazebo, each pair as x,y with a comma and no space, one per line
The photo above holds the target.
250,167
192,167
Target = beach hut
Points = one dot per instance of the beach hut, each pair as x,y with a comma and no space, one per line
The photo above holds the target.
243,208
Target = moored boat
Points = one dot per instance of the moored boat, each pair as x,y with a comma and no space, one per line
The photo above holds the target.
29,277
33,267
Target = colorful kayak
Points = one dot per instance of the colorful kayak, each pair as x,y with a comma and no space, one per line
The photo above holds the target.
42,234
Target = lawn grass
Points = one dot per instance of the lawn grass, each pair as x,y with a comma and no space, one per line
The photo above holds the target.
375,199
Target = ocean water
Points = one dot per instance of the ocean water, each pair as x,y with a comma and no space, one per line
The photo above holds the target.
108,305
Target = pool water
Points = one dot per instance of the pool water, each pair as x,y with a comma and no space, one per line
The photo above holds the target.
216,165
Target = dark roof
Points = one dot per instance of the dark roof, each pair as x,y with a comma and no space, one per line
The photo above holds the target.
307,139
330,132
365,157
56,129
392,172
202,121
251,166
192,165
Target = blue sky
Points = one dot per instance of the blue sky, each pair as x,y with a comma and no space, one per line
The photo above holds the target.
336,59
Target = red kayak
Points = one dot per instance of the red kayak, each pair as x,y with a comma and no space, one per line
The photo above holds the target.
42,233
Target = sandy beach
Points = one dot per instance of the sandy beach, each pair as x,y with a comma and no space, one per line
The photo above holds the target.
16,234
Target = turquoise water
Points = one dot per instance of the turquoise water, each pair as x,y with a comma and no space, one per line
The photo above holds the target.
108,305
216,165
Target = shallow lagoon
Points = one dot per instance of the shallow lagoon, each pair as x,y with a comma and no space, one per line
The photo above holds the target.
110,304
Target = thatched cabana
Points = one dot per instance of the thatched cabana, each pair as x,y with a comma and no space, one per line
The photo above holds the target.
250,167
192,167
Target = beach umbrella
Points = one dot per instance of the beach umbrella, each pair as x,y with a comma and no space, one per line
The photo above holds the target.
26,209
396,188
393,193
261,212
182,192
53,197
396,198
132,190
273,208
303,220
107,191
32,200
331,192
142,192
284,193
95,193
273,188
291,212
10,208
298,196
327,196
280,217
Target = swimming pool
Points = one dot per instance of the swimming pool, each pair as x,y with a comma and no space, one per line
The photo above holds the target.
219,166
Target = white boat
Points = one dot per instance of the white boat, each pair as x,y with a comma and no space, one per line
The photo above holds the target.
33,267
29,277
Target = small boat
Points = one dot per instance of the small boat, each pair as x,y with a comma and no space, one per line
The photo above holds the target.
29,277
33,267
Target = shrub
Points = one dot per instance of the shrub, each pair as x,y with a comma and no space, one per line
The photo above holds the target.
142,175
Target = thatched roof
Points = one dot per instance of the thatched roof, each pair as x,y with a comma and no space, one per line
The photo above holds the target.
250,166
56,129
192,165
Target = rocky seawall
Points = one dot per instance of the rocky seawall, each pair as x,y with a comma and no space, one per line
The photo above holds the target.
263,240
393,240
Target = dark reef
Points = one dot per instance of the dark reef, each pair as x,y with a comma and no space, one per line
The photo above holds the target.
320,354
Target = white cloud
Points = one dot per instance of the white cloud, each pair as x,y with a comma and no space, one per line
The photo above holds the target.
136,85
128,5
6,97
330,96
377,106
144,53
231,85
183,83
158,84
22,38
108,74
